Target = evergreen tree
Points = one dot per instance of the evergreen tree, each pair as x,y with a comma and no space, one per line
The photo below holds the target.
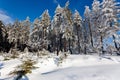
45,22
1,35
78,30
26,24
58,29
4,44
68,25
108,21
95,23
88,38
36,36
1,32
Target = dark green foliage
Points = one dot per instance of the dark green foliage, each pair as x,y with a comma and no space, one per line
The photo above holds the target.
24,68
4,43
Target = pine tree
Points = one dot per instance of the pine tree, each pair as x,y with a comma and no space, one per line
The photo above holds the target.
95,22
26,24
108,21
15,34
58,19
45,22
88,28
1,32
36,36
1,35
4,44
58,29
68,25
78,29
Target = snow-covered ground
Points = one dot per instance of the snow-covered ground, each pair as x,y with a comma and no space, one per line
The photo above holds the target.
75,67
102,72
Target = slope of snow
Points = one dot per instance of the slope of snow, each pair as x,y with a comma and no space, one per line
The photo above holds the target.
75,67
102,72
87,60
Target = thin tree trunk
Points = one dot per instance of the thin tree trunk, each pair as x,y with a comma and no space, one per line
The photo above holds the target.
78,41
65,45
115,44
60,42
85,50
102,51
69,46
58,46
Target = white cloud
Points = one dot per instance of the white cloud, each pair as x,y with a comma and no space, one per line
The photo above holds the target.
5,18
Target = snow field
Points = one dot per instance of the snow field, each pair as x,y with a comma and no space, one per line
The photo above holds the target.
74,67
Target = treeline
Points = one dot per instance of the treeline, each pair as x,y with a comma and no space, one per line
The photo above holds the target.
67,31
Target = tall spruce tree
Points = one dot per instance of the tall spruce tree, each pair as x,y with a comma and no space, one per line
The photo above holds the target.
78,30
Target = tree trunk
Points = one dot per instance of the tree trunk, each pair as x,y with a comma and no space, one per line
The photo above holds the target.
70,45
102,51
85,50
115,44
60,42
79,47
65,45
58,46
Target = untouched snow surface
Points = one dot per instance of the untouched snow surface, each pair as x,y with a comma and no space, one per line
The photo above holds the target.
75,67
102,72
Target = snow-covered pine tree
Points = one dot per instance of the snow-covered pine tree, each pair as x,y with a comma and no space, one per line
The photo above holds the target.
18,34
45,23
1,33
88,35
58,29
108,22
39,34
14,34
57,20
68,25
95,23
36,36
5,45
78,30
26,24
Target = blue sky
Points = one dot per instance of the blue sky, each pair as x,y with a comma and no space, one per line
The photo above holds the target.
20,9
